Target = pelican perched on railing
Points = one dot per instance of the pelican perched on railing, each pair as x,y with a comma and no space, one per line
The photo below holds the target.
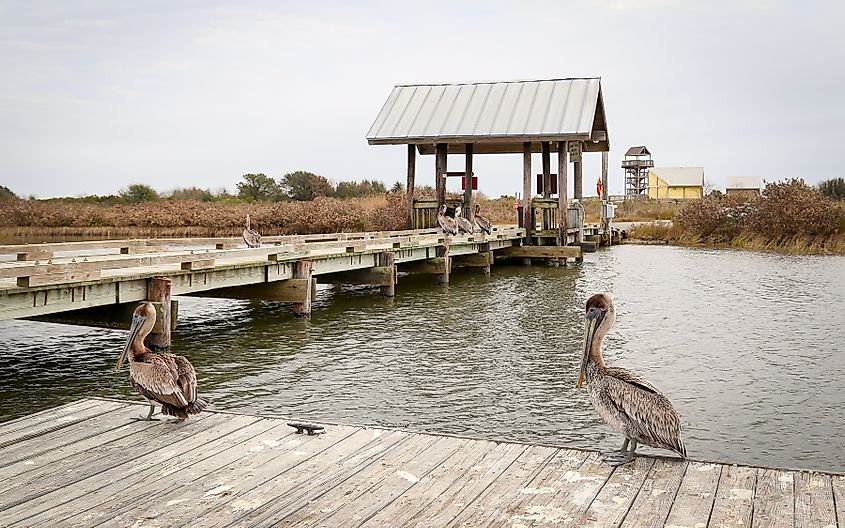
482,222
627,402
251,236
447,223
162,379
463,224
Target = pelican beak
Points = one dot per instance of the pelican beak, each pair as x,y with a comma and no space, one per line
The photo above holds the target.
137,322
594,319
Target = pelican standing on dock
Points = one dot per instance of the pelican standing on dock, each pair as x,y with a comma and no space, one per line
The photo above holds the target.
251,236
626,402
463,224
162,379
482,222
447,223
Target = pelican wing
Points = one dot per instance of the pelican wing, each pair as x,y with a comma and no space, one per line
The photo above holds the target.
187,378
646,407
156,380
464,224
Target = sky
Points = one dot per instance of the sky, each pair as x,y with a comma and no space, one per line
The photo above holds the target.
98,95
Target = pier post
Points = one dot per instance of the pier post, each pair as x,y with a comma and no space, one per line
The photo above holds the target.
409,188
302,270
562,199
468,212
387,258
579,181
527,221
443,278
440,167
545,148
485,249
159,290
605,222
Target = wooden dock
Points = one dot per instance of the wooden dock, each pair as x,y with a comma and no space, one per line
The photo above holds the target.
87,464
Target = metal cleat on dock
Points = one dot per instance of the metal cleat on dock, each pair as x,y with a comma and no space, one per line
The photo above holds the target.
313,429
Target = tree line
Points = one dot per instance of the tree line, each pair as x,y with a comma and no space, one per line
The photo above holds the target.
253,187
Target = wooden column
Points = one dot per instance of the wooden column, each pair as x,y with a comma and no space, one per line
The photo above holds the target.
440,168
545,148
468,212
409,188
579,181
485,250
302,270
562,199
526,191
387,258
158,290
443,251
604,194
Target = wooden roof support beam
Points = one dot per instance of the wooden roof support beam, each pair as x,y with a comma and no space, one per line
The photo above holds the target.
526,190
468,212
562,199
409,187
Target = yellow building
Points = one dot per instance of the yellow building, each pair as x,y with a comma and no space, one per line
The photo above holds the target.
676,183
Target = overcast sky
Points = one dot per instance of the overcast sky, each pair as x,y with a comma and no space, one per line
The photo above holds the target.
97,95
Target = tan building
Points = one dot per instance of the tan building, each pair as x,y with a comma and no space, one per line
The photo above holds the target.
742,186
676,183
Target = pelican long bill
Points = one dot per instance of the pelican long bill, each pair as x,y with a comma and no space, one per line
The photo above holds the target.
137,322
594,317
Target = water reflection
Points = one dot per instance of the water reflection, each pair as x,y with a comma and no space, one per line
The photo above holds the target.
745,344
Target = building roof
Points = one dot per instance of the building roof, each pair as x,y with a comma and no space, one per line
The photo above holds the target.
680,176
638,151
742,182
494,116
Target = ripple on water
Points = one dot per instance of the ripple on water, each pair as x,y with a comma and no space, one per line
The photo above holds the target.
745,344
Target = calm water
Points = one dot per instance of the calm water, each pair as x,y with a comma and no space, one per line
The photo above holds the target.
747,345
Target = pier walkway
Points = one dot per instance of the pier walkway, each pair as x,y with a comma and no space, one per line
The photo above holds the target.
87,464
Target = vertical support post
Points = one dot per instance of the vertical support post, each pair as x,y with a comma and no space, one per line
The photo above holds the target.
605,221
387,258
468,212
302,270
526,191
485,249
562,199
159,290
440,167
443,251
409,188
545,148
579,181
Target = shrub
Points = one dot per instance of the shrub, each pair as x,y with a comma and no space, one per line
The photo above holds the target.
833,188
793,208
139,192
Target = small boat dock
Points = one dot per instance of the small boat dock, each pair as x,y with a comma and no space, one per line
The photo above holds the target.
88,464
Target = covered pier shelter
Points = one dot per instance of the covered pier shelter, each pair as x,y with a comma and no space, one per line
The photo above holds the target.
565,116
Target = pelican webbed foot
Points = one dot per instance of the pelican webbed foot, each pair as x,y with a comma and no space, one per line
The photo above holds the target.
148,417
621,457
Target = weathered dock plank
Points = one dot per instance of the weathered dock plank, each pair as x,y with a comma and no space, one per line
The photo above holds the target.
222,469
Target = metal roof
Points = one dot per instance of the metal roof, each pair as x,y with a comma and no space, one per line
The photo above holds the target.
638,151
680,176
742,182
494,116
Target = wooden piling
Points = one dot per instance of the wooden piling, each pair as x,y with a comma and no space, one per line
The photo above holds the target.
526,192
468,212
409,188
302,270
387,259
159,290
440,168
545,148
443,278
562,199
579,181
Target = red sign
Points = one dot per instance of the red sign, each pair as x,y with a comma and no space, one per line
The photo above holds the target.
474,183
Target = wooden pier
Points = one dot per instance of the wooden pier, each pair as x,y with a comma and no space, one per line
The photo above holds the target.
87,464
83,282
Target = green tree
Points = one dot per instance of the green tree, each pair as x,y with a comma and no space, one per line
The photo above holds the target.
6,193
833,188
192,193
397,188
354,189
139,192
303,186
258,187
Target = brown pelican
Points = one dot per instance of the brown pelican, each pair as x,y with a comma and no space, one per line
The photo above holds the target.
626,402
447,223
463,224
251,236
161,378
482,222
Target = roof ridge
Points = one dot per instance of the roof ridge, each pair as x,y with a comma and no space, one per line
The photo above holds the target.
512,81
